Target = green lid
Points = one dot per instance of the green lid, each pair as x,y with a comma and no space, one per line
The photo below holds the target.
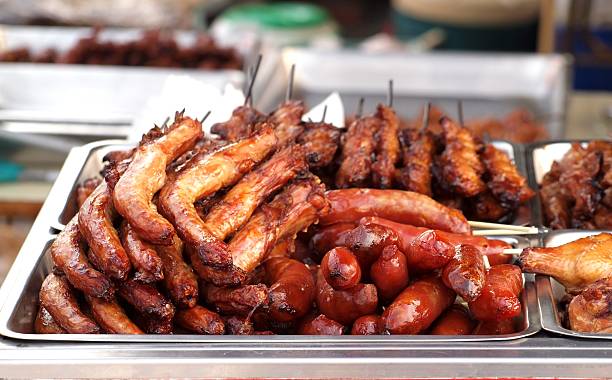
278,15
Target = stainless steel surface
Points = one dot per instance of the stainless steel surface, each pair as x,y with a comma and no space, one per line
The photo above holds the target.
543,357
65,99
490,85
550,292
19,310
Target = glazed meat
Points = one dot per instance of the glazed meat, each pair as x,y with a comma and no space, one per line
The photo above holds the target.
454,321
85,189
292,288
576,264
45,324
320,325
288,121
465,273
418,306
243,300
96,226
506,184
320,142
461,167
350,205
204,175
241,124
387,149
200,320
111,317
57,298
485,207
146,174
418,150
69,257
368,325
499,298
144,258
237,206
554,201
148,301
179,280
591,311
357,149
289,212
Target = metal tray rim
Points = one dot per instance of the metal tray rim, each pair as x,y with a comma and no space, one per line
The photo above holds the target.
66,180
547,303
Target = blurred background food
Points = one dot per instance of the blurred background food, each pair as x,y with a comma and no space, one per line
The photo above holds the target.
546,67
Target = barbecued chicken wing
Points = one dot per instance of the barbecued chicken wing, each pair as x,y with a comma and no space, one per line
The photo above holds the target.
357,150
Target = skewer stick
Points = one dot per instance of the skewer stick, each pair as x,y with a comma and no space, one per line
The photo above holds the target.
512,251
390,93
324,113
249,93
360,108
205,117
426,116
499,226
460,112
503,232
290,85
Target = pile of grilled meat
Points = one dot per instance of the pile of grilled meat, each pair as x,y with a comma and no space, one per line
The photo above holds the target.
577,191
154,48
238,235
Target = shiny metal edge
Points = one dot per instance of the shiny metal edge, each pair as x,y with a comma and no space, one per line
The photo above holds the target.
33,249
547,303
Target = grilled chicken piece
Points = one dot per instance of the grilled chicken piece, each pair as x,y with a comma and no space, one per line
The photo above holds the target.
554,202
320,141
591,311
288,120
460,165
388,148
506,183
418,149
240,125
576,264
357,150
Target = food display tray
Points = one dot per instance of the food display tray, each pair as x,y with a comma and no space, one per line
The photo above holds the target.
20,290
99,96
550,292
539,158
488,85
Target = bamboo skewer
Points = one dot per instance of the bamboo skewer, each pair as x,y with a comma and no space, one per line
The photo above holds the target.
498,226
512,251
504,232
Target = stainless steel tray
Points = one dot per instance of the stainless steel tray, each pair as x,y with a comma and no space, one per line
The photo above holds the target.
20,290
539,158
488,85
59,94
550,291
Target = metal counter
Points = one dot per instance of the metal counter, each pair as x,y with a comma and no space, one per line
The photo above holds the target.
542,356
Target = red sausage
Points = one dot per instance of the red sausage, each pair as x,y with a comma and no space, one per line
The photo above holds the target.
292,289
428,251
454,321
341,269
418,306
330,237
368,325
367,242
390,273
350,205
407,234
465,273
345,306
320,325
500,295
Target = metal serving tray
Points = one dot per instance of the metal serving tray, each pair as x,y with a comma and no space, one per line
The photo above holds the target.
80,94
550,292
33,263
489,85
539,158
